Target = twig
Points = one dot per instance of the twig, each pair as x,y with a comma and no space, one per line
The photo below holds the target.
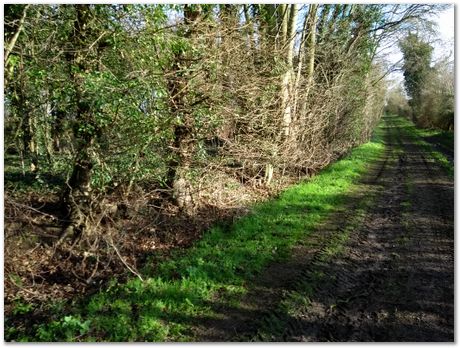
124,262
31,208
11,281
100,37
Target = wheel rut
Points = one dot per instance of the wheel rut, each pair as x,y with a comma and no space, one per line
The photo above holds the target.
393,280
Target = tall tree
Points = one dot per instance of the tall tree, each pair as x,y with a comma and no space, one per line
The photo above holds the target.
417,58
182,101
82,61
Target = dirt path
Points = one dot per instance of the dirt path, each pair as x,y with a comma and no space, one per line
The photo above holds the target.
392,281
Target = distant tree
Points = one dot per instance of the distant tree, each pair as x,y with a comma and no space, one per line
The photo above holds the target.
416,68
396,102
438,97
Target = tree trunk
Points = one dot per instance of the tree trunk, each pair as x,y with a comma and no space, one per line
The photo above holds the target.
24,109
9,45
179,166
76,195
184,141
312,49
322,20
286,86
311,57
300,62
283,15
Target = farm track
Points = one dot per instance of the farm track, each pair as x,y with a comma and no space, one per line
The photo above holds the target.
392,281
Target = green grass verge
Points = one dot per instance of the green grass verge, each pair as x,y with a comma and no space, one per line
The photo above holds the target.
444,138
416,135
183,288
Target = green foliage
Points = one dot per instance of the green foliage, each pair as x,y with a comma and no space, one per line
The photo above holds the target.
21,307
69,327
397,102
48,181
417,59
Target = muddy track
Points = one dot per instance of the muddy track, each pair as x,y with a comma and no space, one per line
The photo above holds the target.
393,280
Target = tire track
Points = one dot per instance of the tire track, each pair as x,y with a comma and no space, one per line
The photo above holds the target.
392,282
395,294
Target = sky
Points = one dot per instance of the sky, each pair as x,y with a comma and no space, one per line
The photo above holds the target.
446,23
446,30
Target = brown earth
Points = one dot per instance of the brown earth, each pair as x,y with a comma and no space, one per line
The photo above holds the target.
392,281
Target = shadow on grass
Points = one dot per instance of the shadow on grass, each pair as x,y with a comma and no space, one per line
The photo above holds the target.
181,288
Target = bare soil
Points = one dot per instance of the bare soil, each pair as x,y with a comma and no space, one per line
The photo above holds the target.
393,280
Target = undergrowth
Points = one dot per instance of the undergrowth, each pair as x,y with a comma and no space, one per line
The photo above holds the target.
184,287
